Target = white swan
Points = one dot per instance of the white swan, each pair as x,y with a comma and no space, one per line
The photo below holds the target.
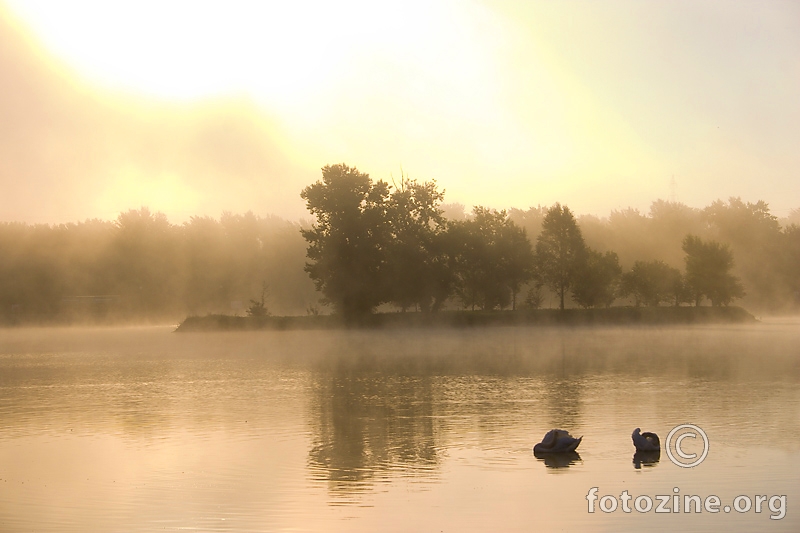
645,442
557,441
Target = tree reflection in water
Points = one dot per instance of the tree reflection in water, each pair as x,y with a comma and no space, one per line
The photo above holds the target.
564,402
370,426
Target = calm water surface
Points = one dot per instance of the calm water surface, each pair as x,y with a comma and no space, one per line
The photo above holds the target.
142,429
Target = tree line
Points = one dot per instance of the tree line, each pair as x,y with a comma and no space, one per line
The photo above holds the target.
375,246
140,267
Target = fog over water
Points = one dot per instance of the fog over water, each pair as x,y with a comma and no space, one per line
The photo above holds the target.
142,429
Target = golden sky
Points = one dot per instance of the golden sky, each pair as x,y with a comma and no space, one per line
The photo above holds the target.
199,107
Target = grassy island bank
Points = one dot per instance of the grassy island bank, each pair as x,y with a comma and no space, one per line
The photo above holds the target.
567,317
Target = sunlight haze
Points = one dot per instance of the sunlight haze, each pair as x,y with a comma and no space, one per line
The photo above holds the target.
193,108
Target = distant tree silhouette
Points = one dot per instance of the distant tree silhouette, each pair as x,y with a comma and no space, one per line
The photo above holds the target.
144,257
625,231
793,219
491,258
681,292
650,282
516,257
560,250
708,266
752,233
597,279
790,261
142,268
348,243
530,220
667,224
226,261
467,252
208,254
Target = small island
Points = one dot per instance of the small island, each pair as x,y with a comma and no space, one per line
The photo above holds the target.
633,316
386,257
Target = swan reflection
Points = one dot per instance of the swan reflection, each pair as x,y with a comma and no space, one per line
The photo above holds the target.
647,459
558,460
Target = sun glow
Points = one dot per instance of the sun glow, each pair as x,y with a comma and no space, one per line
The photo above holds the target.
382,85
285,53
428,86
163,192
505,104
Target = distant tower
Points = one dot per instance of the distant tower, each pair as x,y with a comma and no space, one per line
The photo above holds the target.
673,190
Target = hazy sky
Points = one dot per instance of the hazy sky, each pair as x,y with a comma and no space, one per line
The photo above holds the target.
199,107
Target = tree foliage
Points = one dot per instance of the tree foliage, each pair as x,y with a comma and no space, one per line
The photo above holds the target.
491,257
752,233
790,261
371,245
708,265
348,242
651,282
597,281
417,261
560,251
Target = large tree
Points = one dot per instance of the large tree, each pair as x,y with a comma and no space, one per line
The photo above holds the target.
560,250
708,265
417,263
348,243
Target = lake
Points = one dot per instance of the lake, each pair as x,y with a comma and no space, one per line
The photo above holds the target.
143,429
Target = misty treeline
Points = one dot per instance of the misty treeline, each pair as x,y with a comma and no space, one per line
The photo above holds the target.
141,267
376,246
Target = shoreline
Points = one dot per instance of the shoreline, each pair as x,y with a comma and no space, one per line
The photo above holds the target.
469,319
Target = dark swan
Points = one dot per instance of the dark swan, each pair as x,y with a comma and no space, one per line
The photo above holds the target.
557,441
645,442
